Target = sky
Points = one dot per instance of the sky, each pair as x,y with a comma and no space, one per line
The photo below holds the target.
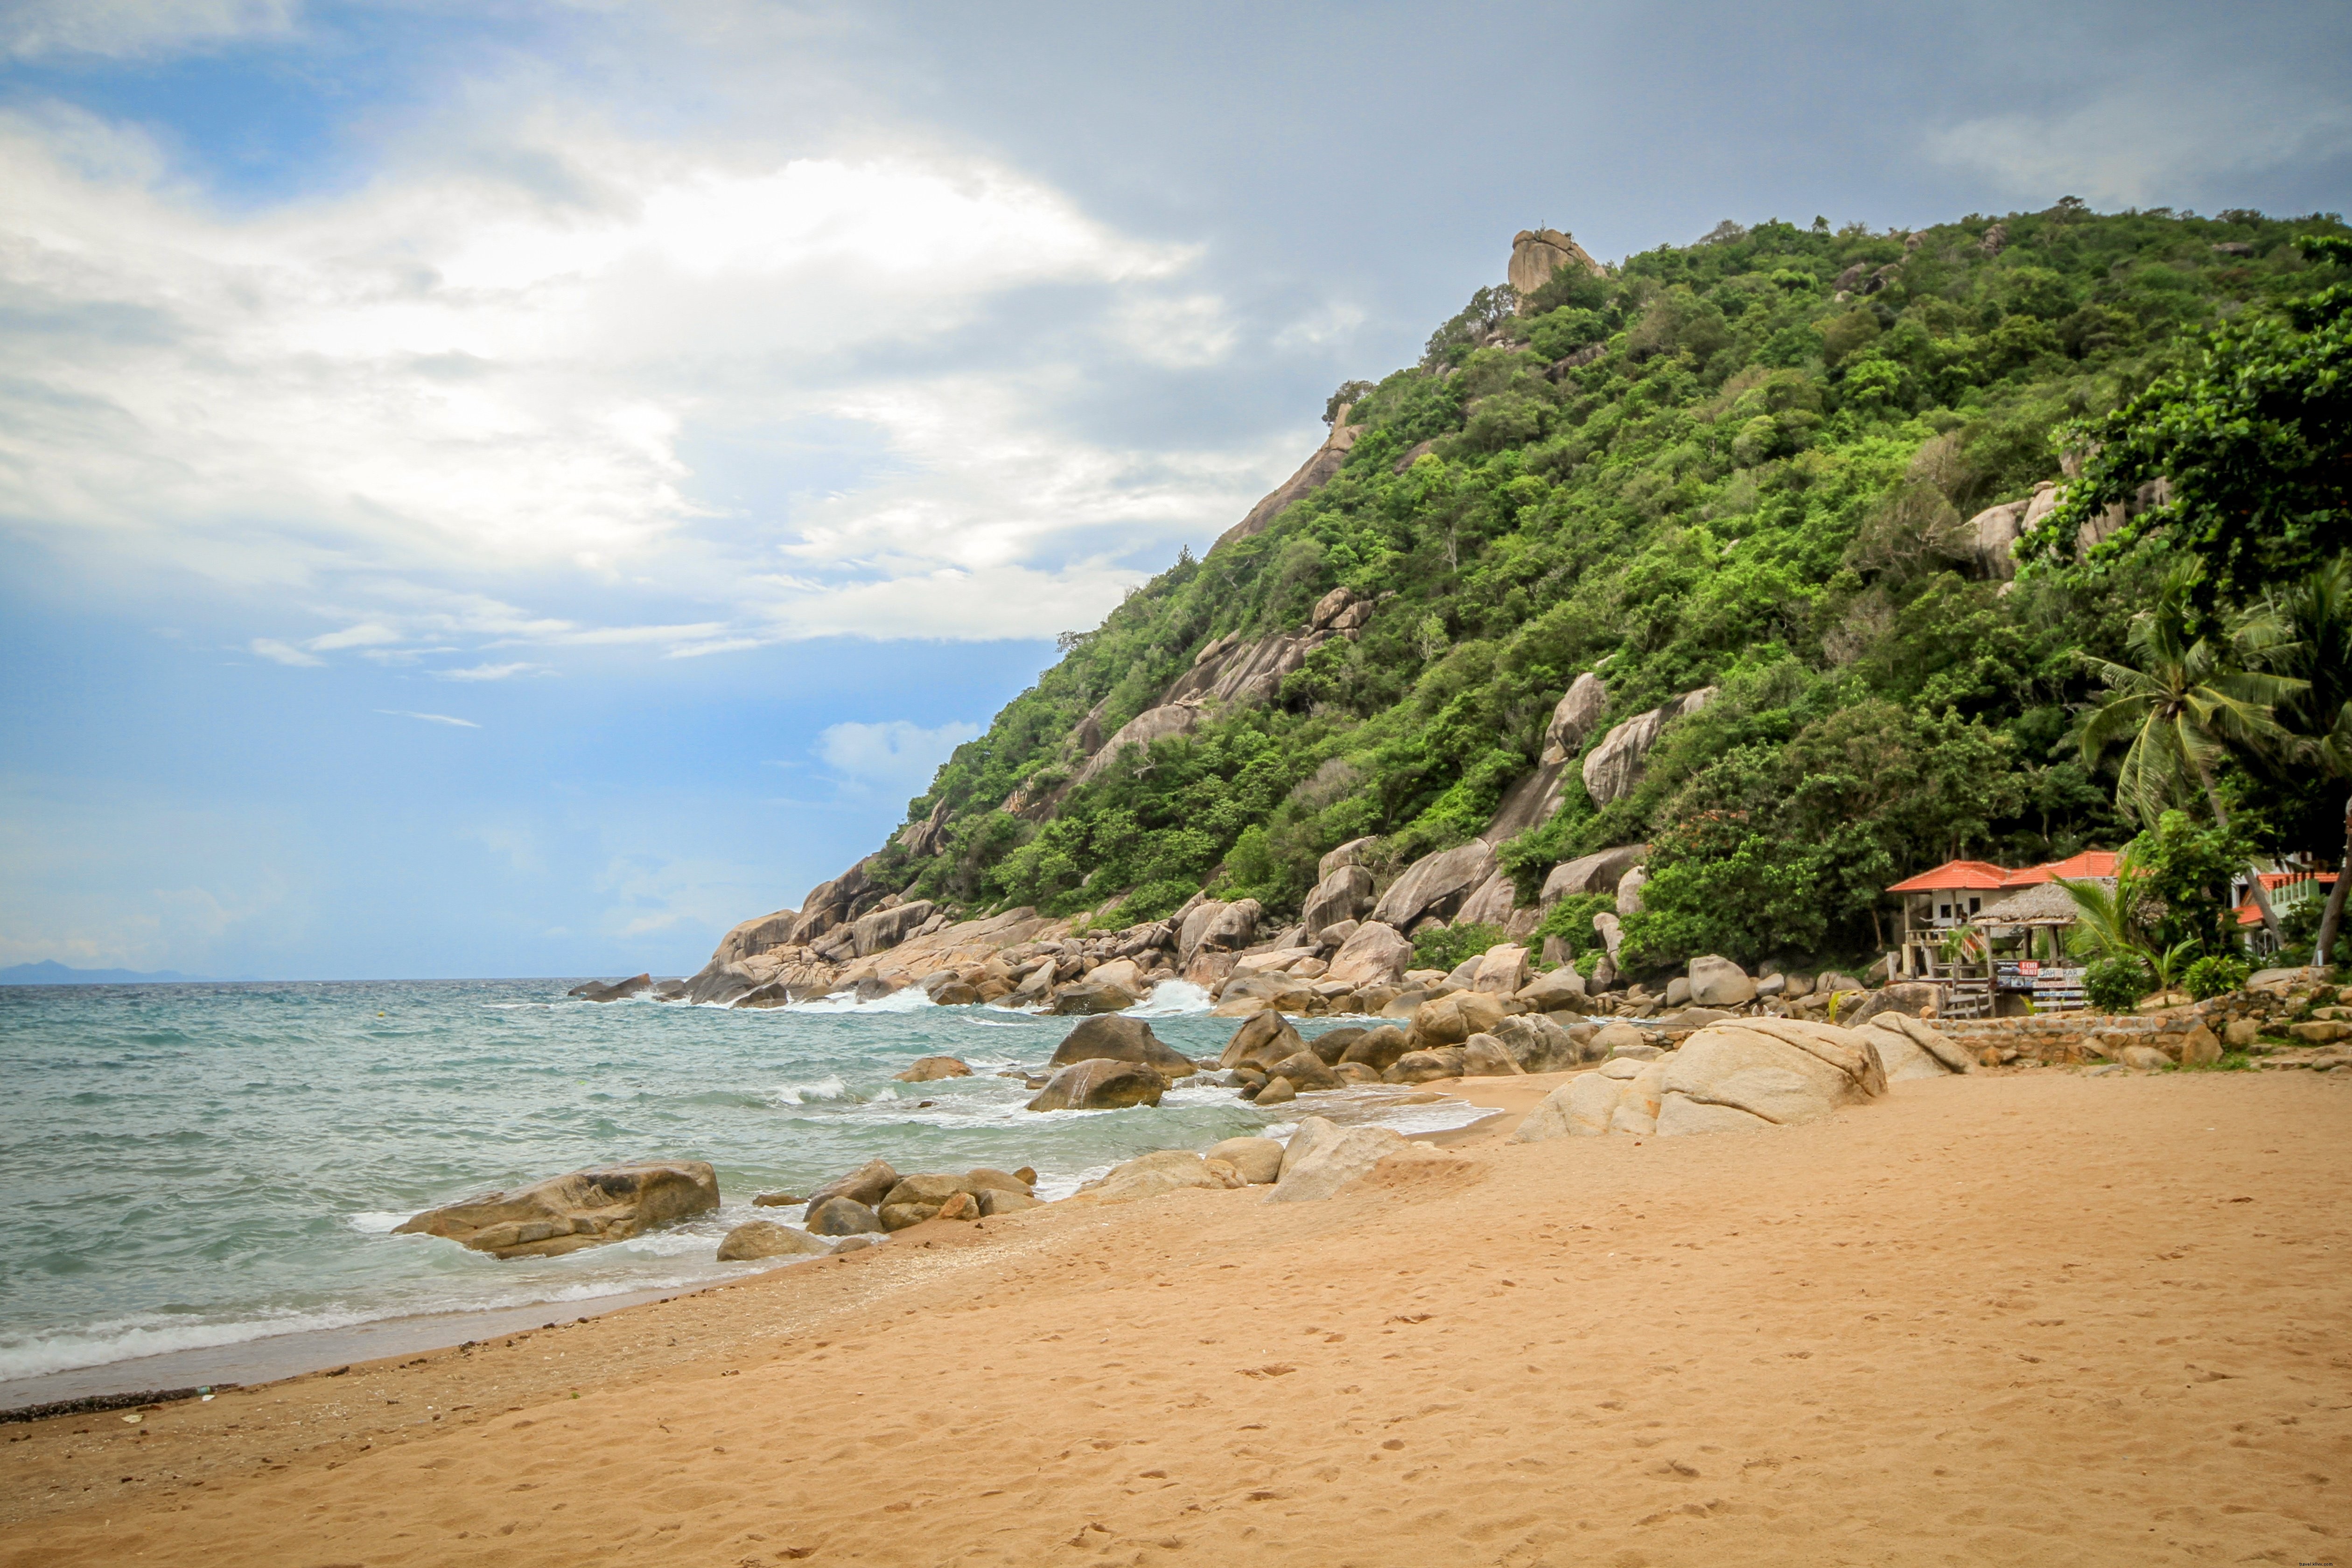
502,489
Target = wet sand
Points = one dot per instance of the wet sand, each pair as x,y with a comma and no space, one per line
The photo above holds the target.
2016,1317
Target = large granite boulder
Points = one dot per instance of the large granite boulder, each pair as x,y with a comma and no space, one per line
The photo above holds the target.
1538,253
1258,1161
1595,873
865,1185
619,990
872,933
1379,1047
1306,1072
1583,1107
1577,715
1164,1170
1261,1041
842,1217
1331,1046
1451,1020
1502,969
1090,996
1555,990
1912,998
1484,1055
1162,723
754,936
1538,1044
1614,768
1343,895
1323,1161
1351,853
584,1208
766,1239
1717,982
1312,475
1375,954
1118,1039
1098,1084
1435,884
1425,1066
1779,1070
931,1069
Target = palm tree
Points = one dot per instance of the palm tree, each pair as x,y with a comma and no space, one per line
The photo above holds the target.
2319,609
2107,927
2184,704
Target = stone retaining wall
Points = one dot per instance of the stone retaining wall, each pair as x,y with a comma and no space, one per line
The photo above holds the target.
2069,1040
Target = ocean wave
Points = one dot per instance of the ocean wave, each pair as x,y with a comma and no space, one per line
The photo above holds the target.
374,1222
1169,999
829,1087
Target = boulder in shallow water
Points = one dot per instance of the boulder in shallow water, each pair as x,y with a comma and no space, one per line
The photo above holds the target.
1277,1091
766,1239
931,1069
584,1209
954,994
1090,995
842,1217
1263,1041
1378,1049
596,990
1116,1039
1306,1072
1100,1084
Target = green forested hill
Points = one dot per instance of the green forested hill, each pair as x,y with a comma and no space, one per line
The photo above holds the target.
1746,463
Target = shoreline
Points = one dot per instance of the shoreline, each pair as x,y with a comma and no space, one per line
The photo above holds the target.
1696,1349
273,1358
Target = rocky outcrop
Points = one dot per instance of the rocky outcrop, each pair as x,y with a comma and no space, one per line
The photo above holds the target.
1345,893
931,1069
1351,853
1435,885
884,928
1312,475
1538,253
1325,1160
584,1209
930,836
754,937
1100,1084
1161,723
865,1185
1118,1039
619,990
1614,768
1578,714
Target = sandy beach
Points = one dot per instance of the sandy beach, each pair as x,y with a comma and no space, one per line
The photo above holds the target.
2026,1317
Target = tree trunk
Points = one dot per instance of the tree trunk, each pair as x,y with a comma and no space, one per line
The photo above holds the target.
2221,820
2332,916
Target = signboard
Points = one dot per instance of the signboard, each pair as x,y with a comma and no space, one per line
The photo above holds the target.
2015,973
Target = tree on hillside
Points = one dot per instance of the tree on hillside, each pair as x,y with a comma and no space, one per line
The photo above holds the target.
2317,613
2255,443
2185,705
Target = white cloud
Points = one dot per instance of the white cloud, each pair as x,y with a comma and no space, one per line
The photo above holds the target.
136,27
894,754
403,399
492,672
283,653
429,718
2147,142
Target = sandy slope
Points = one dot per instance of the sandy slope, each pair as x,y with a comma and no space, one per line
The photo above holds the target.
2009,1319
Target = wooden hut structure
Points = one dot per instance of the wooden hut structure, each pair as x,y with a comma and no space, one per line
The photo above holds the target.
1994,937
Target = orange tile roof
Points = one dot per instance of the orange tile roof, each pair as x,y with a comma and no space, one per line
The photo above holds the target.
1953,876
2089,863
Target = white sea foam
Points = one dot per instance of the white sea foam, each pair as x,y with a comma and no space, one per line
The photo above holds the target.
829,1087
1172,998
374,1222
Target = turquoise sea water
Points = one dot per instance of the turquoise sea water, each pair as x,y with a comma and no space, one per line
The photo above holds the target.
198,1165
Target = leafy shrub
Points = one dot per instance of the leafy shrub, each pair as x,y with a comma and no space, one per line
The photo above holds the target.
2215,974
2116,984
1570,919
1436,949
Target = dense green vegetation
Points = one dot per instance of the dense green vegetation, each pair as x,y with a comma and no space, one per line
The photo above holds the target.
1746,462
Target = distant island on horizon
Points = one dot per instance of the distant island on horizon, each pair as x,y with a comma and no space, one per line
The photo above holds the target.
50,972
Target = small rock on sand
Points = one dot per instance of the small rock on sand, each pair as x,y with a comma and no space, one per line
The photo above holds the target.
766,1239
